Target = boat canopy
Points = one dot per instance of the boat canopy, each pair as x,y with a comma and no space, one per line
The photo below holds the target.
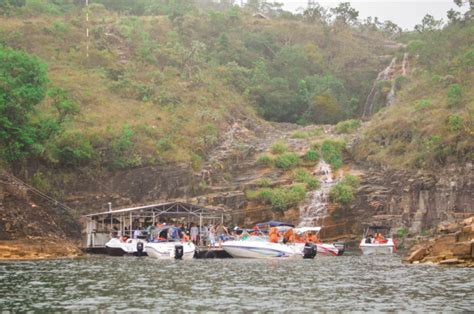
385,230
273,223
307,229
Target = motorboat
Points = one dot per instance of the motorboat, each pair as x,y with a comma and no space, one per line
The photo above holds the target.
166,247
171,249
259,246
120,246
376,241
328,249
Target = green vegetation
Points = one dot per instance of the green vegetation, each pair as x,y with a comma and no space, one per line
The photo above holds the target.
431,123
177,87
263,182
331,152
402,232
342,192
303,176
265,160
348,126
279,148
287,161
306,134
311,155
280,198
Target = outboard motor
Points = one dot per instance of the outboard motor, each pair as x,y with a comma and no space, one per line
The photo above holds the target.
140,248
310,250
178,252
340,247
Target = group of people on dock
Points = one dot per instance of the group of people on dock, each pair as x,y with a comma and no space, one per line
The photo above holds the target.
210,235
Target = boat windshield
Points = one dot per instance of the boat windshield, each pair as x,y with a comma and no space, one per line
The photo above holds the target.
255,238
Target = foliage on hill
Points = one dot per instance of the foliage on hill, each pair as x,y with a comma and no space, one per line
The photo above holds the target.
432,121
163,78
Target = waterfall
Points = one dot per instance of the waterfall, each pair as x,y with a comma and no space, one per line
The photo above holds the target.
314,209
382,76
405,64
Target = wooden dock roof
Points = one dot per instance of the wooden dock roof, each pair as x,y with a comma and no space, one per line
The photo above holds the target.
161,209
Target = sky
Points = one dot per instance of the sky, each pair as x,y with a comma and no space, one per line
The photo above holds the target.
405,13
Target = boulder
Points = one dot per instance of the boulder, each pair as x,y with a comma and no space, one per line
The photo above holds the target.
417,255
451,261
462,249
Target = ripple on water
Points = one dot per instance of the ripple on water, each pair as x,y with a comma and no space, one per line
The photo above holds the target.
326,283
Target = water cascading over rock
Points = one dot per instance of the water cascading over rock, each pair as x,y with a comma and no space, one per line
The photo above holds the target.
390,73
314,210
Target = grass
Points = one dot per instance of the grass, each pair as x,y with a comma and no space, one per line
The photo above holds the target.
304,176
265,160
287,161
348,126
279,148
281,198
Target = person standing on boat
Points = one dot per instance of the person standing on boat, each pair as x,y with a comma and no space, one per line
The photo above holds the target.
212,235
194,233
222,233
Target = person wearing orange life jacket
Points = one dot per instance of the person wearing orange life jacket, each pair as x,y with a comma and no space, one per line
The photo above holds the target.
313,238
273,235
289,236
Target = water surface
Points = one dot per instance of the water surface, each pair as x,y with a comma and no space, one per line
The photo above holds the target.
325,283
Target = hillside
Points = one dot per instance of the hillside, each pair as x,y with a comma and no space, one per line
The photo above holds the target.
243,109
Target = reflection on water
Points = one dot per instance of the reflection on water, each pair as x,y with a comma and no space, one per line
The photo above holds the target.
326,283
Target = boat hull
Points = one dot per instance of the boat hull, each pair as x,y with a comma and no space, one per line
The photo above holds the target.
167,250
377,248
261,250
115,247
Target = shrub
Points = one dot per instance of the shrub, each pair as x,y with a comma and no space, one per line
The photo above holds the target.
303,176
422,104
350,180
73,149
454,95
287,161
299,134
348,126
279,148
196,161
265,160
402,232
280,199
455,122
331,152
263,182
341,194
311,155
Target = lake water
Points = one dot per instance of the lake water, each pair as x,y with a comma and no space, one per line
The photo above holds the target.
144,284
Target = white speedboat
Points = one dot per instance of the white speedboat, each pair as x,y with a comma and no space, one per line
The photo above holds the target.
376,241
171,249
119,246
329,249
260,247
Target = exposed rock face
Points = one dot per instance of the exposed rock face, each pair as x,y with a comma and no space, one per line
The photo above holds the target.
451,246
416,201
25,216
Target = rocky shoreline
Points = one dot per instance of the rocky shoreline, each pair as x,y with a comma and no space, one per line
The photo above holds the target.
453,245
37,249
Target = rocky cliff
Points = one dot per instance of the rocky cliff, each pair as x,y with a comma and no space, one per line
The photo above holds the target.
31,227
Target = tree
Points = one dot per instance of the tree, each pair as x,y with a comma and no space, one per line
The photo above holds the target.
453,16
316,14
429,23
23,85
345,13
391,28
